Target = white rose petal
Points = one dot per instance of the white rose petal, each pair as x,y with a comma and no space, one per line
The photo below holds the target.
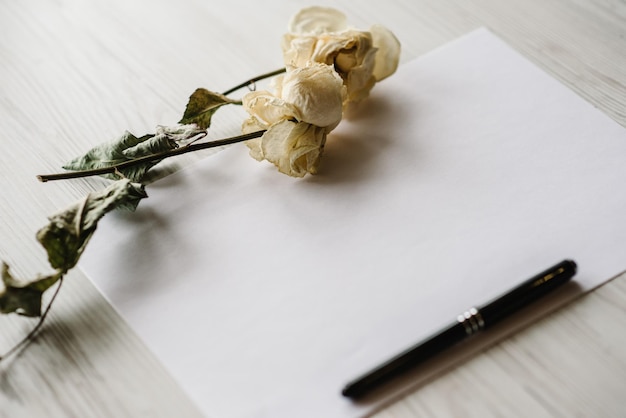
388,54
317,93
295,148
315,20
268,108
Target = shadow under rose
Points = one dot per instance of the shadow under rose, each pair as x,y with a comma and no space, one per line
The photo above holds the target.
353,150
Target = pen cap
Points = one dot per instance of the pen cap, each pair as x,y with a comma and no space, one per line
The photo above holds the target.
527,292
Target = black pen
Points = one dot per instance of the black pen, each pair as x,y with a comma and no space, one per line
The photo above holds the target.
467,324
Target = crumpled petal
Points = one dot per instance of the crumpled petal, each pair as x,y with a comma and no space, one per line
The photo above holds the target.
268,108
316,20
252,124
388,54
294,148
317,94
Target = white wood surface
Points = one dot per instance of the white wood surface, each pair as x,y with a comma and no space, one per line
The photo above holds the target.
74,73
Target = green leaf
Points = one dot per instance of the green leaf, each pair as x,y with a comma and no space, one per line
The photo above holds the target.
202,105
69,231
129,147
23,298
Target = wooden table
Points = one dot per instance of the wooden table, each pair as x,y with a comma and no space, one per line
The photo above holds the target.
74,73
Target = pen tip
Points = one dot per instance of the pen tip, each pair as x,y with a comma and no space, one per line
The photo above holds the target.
572,265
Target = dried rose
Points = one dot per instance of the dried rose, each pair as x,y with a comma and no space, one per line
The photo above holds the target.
361,58
306,106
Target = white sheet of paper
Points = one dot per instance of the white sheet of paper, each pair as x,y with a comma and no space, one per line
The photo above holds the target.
465,173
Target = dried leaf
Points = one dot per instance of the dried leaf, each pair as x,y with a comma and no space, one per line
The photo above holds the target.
23,298
182,134
128,147
69,231
202,105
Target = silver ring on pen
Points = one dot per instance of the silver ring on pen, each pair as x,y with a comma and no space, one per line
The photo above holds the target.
471,320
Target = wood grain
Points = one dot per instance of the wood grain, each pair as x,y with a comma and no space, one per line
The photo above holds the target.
75,73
